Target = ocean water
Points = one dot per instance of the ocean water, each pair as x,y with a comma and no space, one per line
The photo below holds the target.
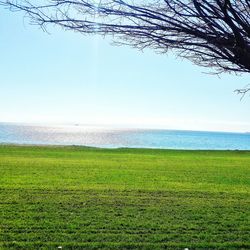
115,137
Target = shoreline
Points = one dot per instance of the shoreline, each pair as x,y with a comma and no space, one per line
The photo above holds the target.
117,148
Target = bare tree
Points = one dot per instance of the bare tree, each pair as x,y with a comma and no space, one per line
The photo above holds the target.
210,33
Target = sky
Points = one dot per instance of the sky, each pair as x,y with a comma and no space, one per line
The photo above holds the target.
63,77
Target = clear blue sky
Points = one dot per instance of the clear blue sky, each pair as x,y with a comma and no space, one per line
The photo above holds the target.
65,77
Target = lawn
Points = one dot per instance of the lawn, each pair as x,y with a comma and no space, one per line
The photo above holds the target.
89,198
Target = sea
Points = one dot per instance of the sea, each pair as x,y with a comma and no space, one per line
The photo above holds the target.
108,137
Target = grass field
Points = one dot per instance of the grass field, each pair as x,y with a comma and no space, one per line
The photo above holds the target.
86,198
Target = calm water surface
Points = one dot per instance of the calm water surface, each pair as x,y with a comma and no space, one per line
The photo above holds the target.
113,138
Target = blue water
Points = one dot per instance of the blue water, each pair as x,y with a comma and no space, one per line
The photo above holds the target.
113,138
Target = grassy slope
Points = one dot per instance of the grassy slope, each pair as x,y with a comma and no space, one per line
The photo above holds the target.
83,198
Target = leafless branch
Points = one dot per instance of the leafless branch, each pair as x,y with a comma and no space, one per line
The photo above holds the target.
210,33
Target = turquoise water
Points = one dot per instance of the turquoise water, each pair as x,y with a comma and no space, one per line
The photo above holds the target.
113,138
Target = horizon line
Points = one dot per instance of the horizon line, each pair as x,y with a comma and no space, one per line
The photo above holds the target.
121,126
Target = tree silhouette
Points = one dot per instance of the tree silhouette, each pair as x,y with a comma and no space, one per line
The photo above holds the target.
210,33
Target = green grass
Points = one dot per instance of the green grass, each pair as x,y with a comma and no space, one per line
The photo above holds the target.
87,198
